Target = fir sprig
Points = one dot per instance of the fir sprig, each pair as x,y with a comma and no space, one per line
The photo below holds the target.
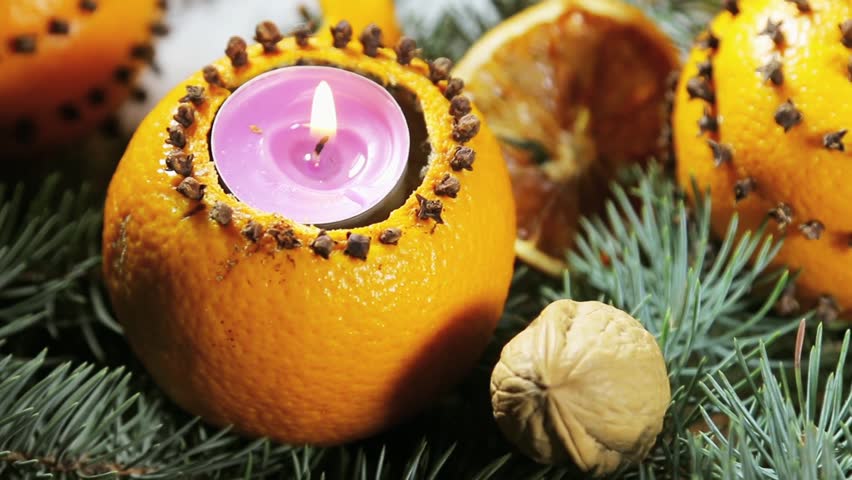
49,251
80,422
777,431
707,305
83,422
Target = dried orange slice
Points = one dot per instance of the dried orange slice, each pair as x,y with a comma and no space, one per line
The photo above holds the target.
66,65
761,119
248,318
573,89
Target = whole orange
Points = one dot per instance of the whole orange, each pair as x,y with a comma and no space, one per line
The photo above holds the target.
761,111
66,65
242,322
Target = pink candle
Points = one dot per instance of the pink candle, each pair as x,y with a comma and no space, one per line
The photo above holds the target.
318,145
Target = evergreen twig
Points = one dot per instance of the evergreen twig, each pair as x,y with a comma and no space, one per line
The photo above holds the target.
79,422
777,431
49,254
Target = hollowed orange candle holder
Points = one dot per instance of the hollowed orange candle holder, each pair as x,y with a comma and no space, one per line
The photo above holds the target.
283,329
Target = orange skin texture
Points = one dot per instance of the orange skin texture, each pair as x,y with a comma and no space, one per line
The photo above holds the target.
360,14
793,168
65,68
284,343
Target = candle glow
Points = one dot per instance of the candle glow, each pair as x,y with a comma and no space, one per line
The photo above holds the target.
323,112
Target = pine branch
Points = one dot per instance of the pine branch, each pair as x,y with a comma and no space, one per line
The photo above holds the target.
76,422
79,422
82,423
49,253
777,432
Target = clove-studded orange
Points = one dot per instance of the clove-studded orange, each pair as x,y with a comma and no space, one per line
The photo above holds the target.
66,65
574,89
284,330
761,115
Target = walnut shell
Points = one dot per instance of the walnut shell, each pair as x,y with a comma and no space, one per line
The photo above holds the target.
583,382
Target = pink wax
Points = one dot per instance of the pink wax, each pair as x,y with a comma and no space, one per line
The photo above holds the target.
266,153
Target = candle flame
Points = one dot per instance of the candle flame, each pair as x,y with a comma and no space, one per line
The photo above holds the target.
323,113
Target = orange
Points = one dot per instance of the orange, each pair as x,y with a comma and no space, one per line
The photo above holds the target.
801,173
273,338
574,89
66,65
360,14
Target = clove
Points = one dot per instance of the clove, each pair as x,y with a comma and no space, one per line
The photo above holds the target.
772,71
804,6
191,188
439,69
846,33
302,34
834,141
773,31
371,39
194,95
406,50
323,245
429,209
732,6
788,116
460,106
212,76
708,123
390,236
782,214
221,213
721,153
180,162
185,116
357,246
466,128
699,87
341,34
449,186
463,159
236,51
24,44
267,34
743,187
812,229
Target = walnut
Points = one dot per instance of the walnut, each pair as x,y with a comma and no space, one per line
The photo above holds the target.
584,382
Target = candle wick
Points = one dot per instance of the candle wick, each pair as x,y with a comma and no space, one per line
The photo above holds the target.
321,145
